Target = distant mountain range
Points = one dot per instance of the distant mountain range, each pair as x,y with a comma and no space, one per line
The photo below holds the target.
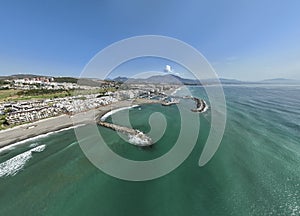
81,81
21,76
163,79
281,81
173,79
167,79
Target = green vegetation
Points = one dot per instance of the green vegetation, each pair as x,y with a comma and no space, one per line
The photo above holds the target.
39,92
8,94
65,79
16,95
111,89
3,122
3,82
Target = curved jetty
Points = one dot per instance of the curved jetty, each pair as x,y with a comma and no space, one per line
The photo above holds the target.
137,137
201,105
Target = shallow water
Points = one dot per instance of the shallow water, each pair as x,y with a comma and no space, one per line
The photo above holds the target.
256,170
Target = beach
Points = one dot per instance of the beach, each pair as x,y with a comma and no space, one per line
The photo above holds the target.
256,168
26,131
30,130
22,132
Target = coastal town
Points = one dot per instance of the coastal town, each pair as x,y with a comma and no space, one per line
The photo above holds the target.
18,111
33,99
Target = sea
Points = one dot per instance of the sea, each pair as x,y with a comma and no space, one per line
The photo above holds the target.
255,171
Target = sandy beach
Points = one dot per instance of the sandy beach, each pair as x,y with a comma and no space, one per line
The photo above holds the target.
29,130
22,132
26,131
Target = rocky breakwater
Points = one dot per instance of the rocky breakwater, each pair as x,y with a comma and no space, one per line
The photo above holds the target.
201,105
135,137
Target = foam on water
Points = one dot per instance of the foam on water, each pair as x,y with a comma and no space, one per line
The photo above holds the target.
205,107
39,148
253,173
135,140
106,115
12,166
13,146
33,145
176,90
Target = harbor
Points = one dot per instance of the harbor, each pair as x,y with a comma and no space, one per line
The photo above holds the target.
137,137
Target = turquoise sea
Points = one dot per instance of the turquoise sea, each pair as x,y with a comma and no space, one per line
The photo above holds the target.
256,170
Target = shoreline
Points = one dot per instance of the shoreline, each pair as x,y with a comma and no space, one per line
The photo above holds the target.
111,112
19,133
11,136
19,143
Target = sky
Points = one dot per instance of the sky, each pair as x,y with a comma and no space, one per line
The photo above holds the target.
242,39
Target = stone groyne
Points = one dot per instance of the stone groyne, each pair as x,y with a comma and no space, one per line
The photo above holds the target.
137,137
201,105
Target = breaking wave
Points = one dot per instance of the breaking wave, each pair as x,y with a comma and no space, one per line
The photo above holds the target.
12,166
13,146
136,140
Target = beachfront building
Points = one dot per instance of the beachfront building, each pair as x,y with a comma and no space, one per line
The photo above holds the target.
28,111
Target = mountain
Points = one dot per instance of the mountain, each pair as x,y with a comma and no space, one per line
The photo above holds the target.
173,79
21,76
119,79
169,79
80,81
163,79
281,81
157,79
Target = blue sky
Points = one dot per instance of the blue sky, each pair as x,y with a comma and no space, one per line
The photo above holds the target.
247,40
